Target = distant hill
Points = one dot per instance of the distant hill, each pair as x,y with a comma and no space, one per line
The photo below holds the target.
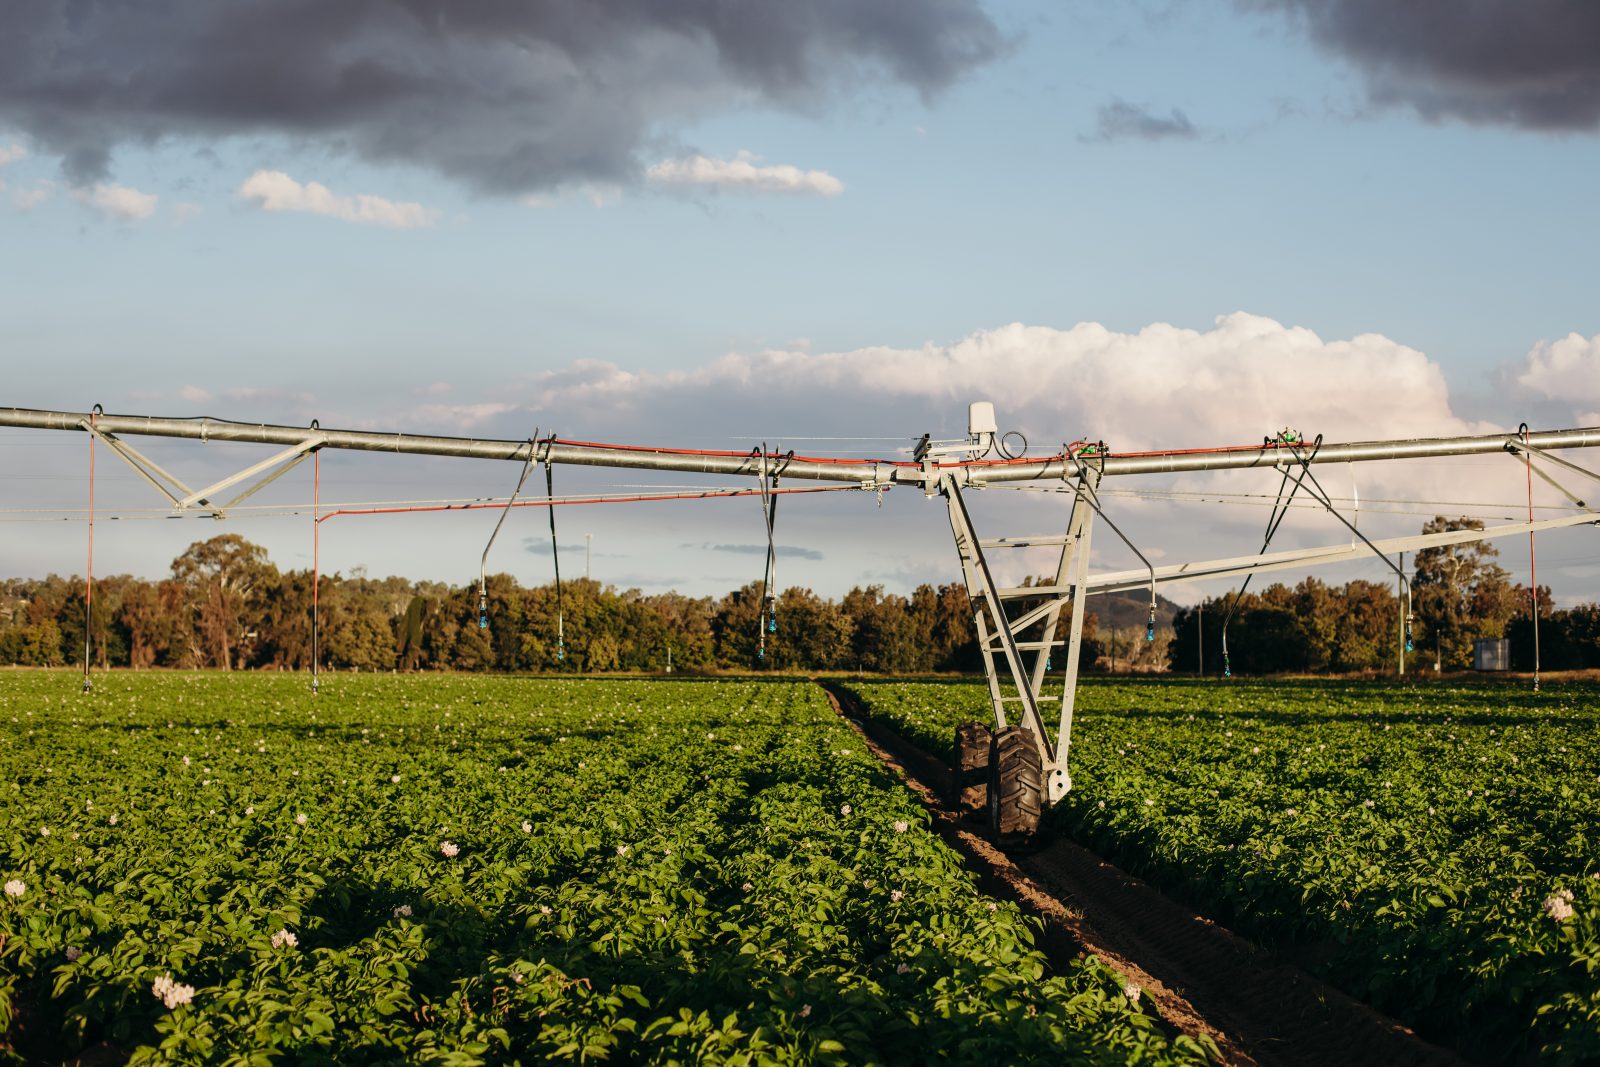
1127,610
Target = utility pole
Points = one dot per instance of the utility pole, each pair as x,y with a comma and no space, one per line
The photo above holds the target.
1200,629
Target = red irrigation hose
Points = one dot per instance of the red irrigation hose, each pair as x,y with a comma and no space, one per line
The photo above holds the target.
709,494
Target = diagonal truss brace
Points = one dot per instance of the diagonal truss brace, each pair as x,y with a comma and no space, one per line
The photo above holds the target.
170,485
1005,662
1530,453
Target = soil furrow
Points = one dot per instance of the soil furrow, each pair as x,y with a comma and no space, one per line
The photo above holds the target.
1200,977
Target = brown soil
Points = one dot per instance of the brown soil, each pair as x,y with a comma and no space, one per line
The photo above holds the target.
1203,980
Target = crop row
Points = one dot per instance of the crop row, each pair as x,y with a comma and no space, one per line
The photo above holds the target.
477,870
1433,850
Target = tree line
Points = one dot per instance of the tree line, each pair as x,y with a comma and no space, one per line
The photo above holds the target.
226,606
1459,595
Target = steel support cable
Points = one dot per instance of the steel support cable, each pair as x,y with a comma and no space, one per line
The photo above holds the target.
767,614
1280,510
1090,495
1533,557
1321,495
483,563
555,552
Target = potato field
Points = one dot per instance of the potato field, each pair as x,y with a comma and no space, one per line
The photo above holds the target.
461,870
1432,850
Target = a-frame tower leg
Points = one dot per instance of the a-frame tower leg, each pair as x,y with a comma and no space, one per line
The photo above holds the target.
1012,679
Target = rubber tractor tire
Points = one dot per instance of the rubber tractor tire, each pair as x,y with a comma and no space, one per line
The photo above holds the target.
969,769
1016,787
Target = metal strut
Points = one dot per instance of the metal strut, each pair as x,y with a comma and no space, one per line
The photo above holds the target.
998,631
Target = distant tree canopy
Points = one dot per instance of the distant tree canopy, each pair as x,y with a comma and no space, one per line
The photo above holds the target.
1459,595
226,606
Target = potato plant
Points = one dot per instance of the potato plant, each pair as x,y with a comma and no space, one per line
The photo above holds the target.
464,870
1434,850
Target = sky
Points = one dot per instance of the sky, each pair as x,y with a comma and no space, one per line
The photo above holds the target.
820,224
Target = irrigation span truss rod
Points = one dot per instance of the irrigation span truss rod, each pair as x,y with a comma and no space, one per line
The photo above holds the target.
810,468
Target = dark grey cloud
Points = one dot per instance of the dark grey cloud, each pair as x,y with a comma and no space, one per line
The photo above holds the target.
1122,121
508,96
784,551
1528,63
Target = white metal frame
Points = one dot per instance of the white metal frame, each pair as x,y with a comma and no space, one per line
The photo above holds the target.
946,469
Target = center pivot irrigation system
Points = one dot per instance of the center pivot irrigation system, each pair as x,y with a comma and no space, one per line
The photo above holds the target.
1011,768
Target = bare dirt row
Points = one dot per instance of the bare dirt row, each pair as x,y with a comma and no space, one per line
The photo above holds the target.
1202,979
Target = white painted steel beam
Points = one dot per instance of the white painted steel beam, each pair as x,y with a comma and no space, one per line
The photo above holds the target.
1123,581
859,472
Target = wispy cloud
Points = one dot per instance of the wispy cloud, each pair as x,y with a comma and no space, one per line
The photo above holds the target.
1122,121
788,551
540,546
31,197
11,153
273,190
120,202
459,416
744,172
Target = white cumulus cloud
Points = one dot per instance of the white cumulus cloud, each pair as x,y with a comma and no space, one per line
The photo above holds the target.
1161,387
119,202
746,172
273,190
1566,370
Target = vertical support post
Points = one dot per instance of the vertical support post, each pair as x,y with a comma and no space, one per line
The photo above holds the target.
1200,631
1533,560
316,560
1059,784
1400,606
88,586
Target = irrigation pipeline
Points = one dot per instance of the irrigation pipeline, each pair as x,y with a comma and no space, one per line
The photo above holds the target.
812,468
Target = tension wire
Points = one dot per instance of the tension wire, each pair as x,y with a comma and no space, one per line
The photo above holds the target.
483,564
